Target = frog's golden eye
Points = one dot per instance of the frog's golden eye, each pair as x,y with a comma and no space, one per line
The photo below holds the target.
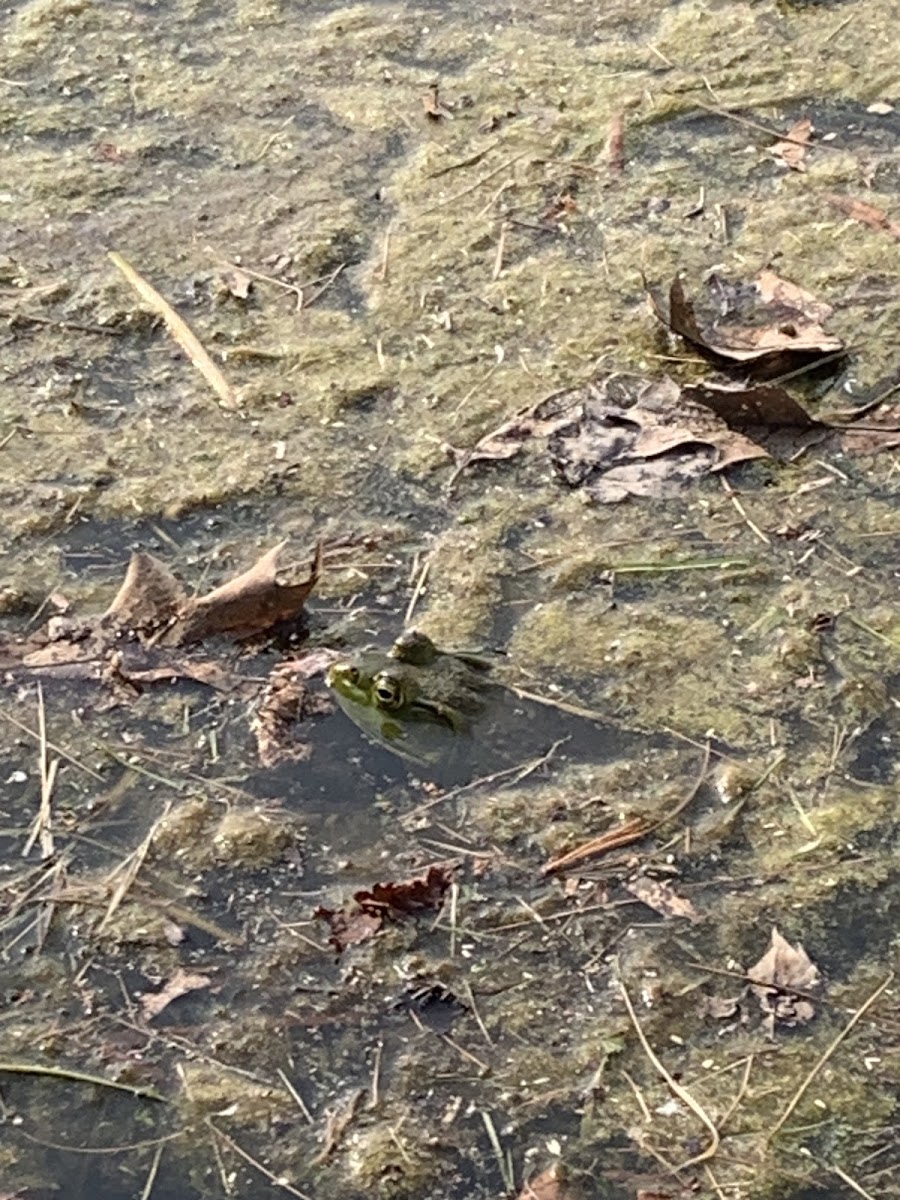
388,691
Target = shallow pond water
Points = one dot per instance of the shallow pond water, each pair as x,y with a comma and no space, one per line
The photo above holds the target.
386,275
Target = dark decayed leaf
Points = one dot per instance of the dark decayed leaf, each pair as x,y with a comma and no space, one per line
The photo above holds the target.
150,595
761,324
362,919
286,702
743,406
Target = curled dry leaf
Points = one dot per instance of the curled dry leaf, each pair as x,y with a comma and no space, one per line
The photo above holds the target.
550,1184
150,595
781,974
252,603
180,984
762,324
792,149
662,898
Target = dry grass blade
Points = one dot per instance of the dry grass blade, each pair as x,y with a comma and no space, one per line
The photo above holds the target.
179,329
18,1068
42,828
128,870
681,1092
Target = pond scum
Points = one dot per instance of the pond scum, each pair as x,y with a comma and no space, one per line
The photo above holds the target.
392,228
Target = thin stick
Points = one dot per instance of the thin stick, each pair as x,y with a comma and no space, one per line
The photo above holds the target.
179,329
14,1068
682,1093
454,904
498,257
417,591
130,868
631,831
298,1099
52,745
385,254
152,1173
502,1159
374,1097
751,525
275,1180
475,186
42,827
470,995
801,1090
851,1183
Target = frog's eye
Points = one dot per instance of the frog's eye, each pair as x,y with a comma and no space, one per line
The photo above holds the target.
388,691
353,674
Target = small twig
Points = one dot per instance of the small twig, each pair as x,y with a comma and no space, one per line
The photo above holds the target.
152,1173
504,166
751,525
851,1182
42,827
276,1180
374,1096
470,996
52,745
802,1089
503,1159
298,1099
385,254
308,301
77,326
417,591
631,831
498,257
179,329
130,868
681,1092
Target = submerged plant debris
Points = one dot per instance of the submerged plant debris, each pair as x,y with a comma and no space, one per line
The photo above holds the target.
402,252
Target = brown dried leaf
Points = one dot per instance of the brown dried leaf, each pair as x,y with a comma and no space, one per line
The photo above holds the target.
867,214
370,909
782,972
150,595
180,984
349,928
550,1184
251,603
764,323
632,437
662,898
792,150
742,405
285,703
785,966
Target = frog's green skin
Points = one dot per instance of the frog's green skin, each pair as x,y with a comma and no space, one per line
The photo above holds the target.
415,699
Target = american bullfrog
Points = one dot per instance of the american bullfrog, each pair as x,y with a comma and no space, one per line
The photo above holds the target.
443,711
418,701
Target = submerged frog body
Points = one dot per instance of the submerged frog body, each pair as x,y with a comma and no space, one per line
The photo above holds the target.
418,701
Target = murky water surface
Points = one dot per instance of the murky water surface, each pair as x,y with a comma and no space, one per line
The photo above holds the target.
722,667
